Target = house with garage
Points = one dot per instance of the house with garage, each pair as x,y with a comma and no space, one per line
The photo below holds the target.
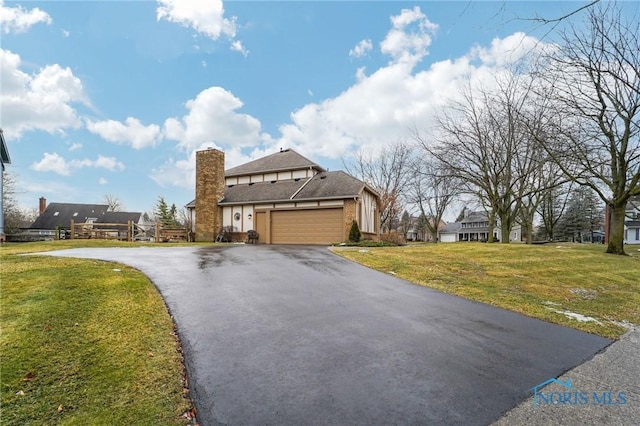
474,226
632,221
285,197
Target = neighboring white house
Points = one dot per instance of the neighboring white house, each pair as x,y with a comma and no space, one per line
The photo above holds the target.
475,227
632,222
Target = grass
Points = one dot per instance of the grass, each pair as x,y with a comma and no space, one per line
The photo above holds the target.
537,281
85,342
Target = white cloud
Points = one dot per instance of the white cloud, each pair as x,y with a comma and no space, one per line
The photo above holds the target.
52,163
57,164
102,162
505,51
212,121
212,118
18,20
75,146
102,181
132,132
181,173
65,33
381,107
409,37
361,48
41,101
384,106
205,17
237,46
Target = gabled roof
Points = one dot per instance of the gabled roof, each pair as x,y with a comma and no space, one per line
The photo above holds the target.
119,217
4,151
451,228
60,214
281,190
284,160
324,185
331,185
633,203
475,217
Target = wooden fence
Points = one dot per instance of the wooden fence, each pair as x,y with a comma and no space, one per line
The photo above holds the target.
129,231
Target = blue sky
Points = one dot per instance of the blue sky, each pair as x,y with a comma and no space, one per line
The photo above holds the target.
115,97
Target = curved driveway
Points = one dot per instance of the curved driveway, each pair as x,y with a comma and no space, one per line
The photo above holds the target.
297,335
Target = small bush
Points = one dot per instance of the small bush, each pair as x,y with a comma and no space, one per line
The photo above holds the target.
354,233
394,238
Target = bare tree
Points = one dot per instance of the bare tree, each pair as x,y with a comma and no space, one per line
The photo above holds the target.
593,130
389,174
114,203
484,143
552,205
15,216
432,190
556,20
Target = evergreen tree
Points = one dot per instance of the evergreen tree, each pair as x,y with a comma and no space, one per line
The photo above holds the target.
461,214
164,213
584,215
354,233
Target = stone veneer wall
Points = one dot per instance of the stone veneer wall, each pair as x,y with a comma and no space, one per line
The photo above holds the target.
209,190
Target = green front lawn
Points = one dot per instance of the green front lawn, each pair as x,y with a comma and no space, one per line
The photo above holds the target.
85,342
550,282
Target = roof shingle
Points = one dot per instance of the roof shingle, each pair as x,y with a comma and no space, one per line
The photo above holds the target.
331,185
325,185
60,214
286,159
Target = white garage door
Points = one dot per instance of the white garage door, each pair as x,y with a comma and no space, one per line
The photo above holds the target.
447,238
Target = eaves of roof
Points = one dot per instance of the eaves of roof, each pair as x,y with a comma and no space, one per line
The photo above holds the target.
4,151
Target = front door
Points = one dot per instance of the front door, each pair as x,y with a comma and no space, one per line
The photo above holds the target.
261,226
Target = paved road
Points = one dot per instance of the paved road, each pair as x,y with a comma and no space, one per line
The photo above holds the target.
296,335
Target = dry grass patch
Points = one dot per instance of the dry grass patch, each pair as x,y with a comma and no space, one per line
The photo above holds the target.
550,282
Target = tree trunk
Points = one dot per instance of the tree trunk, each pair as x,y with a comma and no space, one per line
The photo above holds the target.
505,229
616,229
505,235
529,234
491,228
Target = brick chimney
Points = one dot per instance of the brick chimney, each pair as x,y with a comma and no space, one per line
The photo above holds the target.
209,190
42,205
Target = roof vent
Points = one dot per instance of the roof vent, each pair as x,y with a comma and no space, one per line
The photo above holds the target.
251,183
229,186
273,181
297,179
323,177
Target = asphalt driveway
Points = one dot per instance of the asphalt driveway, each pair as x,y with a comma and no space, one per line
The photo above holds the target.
289,335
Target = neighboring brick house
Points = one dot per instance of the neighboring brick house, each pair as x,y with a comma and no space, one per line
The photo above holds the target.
474,227
632,222
285,197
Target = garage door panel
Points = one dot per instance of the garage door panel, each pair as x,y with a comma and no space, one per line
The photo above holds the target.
316,226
